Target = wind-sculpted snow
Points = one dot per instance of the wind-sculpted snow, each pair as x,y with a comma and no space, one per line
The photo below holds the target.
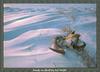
29,33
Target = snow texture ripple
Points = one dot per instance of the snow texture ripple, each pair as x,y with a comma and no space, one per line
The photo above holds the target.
29,32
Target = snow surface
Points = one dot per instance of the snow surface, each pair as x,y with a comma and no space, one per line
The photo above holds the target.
29,32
